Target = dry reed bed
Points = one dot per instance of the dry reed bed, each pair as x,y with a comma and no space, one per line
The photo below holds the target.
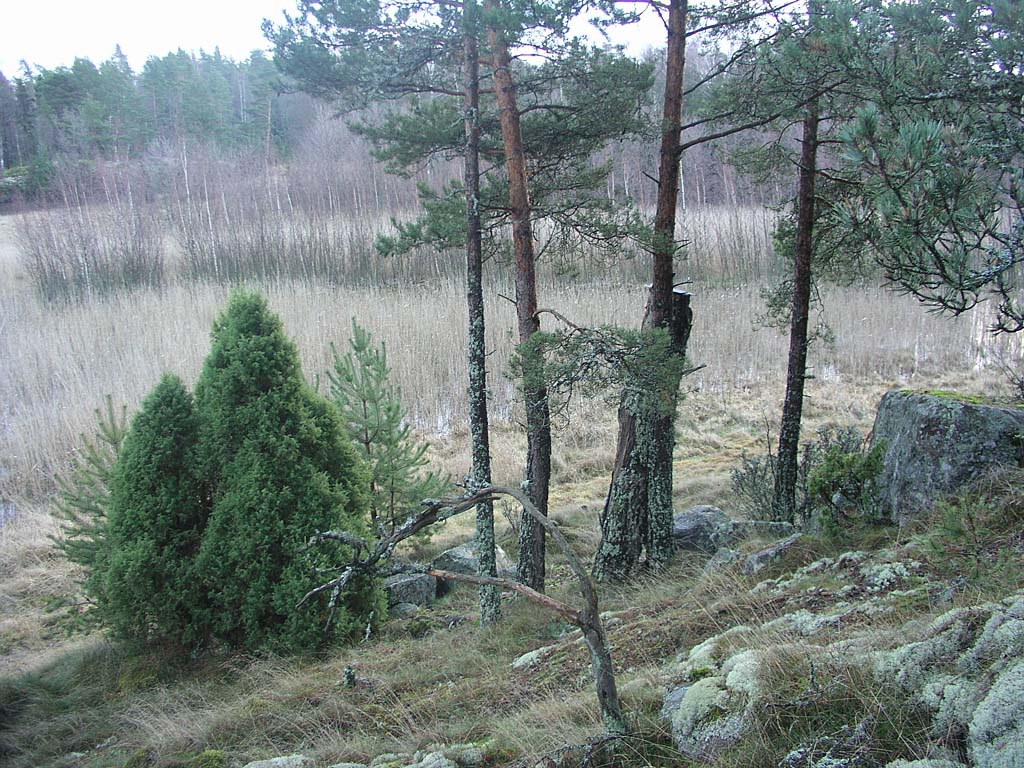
60,361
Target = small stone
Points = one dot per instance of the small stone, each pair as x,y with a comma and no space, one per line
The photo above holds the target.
531,658
403,610
699,528
765,557
415,588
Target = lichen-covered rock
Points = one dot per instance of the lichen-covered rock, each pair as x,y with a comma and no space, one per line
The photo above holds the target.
1002,638
464,755
996,731
722,559
715,712
415,588
700,528
943,641
765,557
879,577
391,758
845,749
433,760
935,444
927,763
348,765
289,761
530,658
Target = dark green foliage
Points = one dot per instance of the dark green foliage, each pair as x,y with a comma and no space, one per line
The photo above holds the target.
841,486
753,481
156,519
975,535
279,469
604,361
376,423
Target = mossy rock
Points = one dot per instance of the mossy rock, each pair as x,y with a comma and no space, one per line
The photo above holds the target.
935,445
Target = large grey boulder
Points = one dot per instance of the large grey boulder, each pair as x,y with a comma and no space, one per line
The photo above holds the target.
415,588
463,559
935,444
705,528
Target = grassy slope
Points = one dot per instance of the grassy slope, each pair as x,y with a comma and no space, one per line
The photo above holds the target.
433,678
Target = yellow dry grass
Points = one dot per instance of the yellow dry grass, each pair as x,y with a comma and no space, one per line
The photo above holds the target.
60,361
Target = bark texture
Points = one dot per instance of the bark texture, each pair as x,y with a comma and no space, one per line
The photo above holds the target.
538,422
490,603
637,515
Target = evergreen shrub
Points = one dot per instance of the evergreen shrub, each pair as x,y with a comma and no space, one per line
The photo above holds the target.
212,501
279,468
155,521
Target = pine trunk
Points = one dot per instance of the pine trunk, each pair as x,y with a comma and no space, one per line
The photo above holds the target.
538,424
637,514
784,501
490,597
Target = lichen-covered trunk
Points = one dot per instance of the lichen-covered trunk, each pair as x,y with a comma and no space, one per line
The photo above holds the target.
538,423
490,597
637,515
784,500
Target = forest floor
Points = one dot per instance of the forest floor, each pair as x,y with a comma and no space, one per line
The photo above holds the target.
76,699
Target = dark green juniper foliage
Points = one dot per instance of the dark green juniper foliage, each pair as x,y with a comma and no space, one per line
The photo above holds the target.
841,487
278,469
376,423
156,519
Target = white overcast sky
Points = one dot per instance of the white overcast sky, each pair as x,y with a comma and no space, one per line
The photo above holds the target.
51,33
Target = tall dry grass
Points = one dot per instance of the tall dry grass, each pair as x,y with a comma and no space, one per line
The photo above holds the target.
60,361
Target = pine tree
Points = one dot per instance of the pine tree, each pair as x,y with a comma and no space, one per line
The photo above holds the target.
279,469
85,498
377,424
156,520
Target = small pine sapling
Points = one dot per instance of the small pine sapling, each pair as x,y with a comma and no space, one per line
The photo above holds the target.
377,423
84,497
